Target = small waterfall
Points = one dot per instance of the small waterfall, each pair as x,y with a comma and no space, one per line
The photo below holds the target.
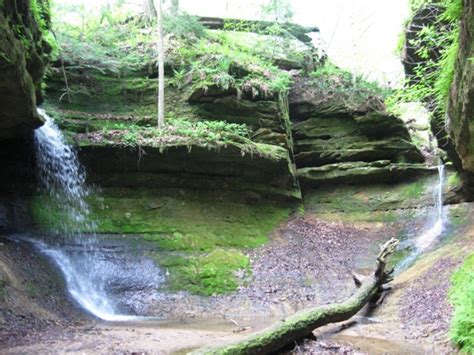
94,275
427,239
60,173
436,224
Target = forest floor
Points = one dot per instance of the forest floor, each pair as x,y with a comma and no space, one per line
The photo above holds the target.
308,262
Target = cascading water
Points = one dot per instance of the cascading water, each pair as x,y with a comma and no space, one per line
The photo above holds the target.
436,224
424,241
97,277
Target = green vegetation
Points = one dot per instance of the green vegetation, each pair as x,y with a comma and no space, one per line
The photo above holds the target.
230,61
453,180
371,198
184,26
458,215
333,80
208,274
462,298
193,221
434,74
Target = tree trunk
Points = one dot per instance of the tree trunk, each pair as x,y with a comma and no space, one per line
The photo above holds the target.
302,323
149,10
161,69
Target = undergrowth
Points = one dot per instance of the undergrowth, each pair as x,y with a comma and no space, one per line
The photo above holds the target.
210,134
334,80
462,298
230,61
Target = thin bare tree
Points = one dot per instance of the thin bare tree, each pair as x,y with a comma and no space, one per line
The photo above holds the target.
161,68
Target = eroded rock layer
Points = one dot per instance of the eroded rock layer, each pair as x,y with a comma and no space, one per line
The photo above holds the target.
339,138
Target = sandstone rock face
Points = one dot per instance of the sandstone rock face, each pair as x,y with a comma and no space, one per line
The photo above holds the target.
461,99
23,59
339,138
267,118
266,168
195,168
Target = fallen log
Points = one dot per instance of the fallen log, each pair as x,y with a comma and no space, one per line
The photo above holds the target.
302,323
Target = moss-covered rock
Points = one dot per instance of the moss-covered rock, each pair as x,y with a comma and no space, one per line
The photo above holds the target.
377,197
24,55
199,236
208,274
375,136
360,173
342,134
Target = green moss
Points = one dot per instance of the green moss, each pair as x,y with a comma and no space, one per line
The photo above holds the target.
453,180
194,215
370,198
462,298
181,226
415,189
208,274
458,215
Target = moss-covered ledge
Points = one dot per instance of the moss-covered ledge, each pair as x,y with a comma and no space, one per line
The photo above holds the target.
361,173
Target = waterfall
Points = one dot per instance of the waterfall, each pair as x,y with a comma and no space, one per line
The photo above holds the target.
435,224
427,239
94,275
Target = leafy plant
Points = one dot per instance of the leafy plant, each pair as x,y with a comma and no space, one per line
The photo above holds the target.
433,76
